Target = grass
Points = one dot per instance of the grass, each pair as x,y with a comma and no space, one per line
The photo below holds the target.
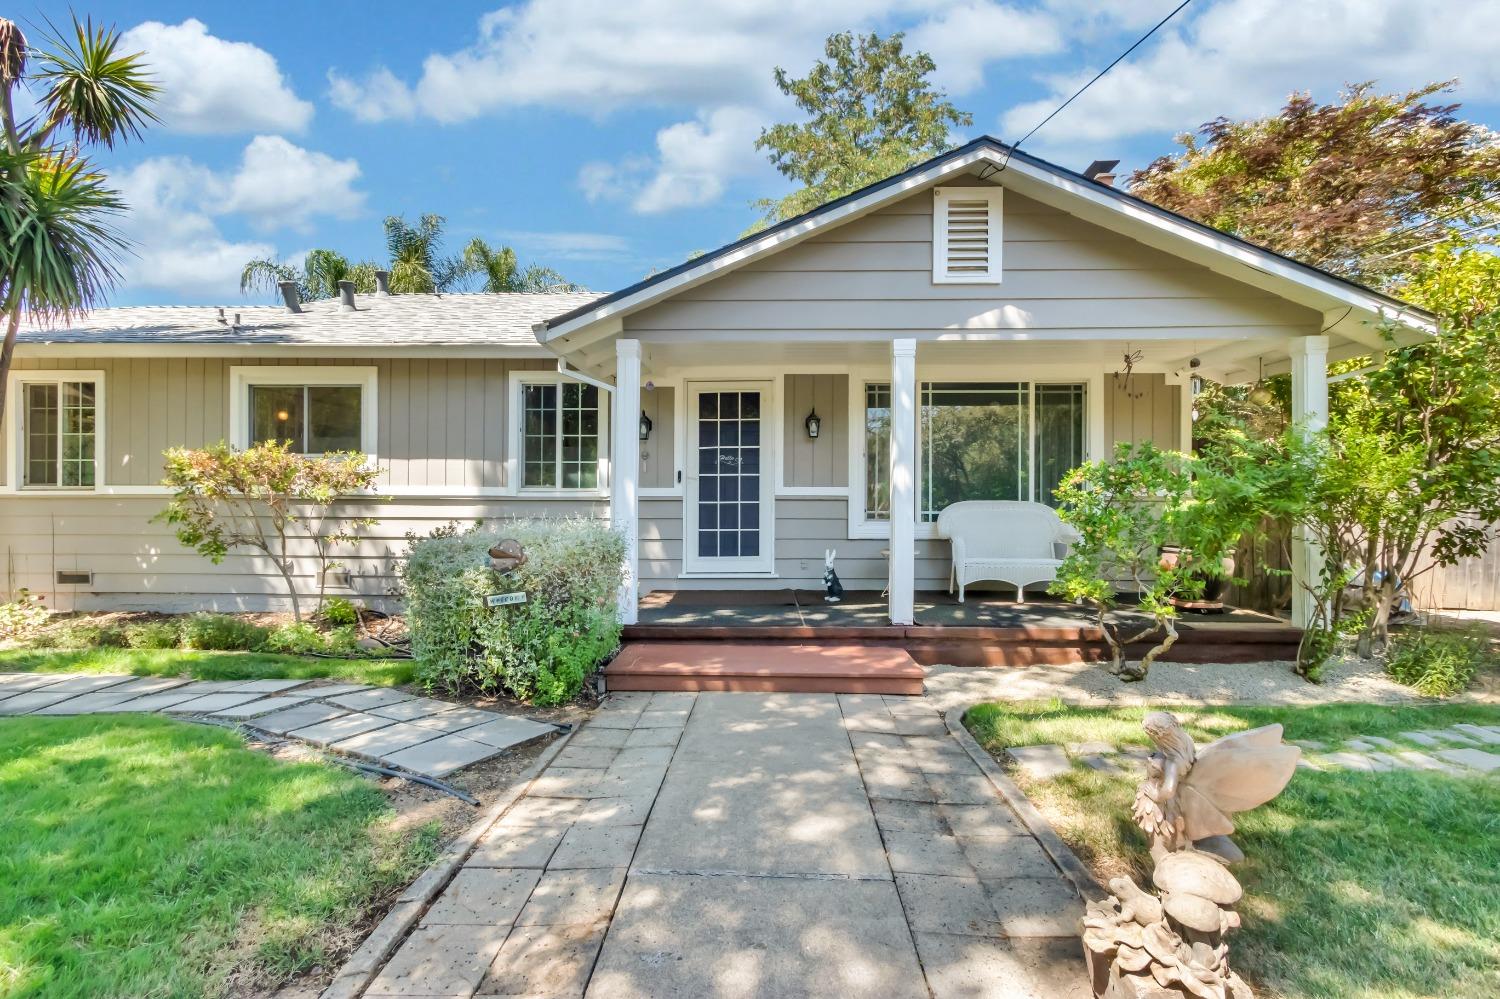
145,856
207,665
1380,885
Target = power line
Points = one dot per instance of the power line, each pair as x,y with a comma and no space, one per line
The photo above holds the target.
1416,227
1079,92
1422,246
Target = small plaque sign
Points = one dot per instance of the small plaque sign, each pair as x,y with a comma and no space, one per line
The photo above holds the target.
504,599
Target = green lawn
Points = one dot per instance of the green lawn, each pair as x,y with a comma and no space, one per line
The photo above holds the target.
1379,885
207,665
150,857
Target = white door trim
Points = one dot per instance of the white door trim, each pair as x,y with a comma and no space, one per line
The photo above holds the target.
770,434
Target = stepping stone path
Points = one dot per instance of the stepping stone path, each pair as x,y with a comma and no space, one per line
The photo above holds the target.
1459,750
419,735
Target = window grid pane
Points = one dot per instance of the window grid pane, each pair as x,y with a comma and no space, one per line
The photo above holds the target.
41,435
78,434
580,436
333,418
1059,436
539,444
276,414
973,443
877,452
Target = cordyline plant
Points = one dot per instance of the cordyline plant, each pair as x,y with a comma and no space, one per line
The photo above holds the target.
263,498
1126,511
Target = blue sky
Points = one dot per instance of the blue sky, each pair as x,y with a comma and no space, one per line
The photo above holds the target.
608,139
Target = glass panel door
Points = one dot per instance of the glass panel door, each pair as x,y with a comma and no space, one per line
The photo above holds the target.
728,493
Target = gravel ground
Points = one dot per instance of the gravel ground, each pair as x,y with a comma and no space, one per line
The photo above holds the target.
1348,679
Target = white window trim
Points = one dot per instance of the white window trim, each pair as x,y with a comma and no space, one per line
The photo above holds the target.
15,446
365,378
515,438
941,196
1095,449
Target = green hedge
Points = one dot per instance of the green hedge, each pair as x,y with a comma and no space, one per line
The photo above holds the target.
539,651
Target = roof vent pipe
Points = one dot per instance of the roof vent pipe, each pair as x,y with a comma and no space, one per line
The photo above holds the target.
290,296
383,283
346,296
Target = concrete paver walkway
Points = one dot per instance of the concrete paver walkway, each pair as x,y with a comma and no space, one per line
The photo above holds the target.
421,735
723,844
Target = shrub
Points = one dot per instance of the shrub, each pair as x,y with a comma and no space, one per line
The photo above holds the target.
301,638
338,611
221,633
23,616
542,650
153,635
81,633
1437,662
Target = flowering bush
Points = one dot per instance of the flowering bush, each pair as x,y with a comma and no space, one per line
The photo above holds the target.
541,650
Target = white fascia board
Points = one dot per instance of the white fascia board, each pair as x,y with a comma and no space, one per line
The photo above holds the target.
769,244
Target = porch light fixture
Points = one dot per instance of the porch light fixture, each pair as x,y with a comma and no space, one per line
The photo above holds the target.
814,424
645,426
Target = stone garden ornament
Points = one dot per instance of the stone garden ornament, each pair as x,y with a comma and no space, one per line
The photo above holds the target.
1171,944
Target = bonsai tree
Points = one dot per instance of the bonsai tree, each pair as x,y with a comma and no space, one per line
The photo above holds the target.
260,499
1125,512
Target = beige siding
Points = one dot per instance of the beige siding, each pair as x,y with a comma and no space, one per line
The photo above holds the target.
440,422
139,564
805,529
875,274
1144,408
825,461
658,466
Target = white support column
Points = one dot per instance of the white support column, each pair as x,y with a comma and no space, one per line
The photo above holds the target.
902,583
624,489
1309,414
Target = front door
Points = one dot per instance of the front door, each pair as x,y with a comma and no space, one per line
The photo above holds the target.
728,515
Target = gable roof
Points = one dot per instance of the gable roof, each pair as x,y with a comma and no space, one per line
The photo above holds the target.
1234,253
393,321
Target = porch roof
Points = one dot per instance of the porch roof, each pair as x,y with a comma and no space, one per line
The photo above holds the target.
1350,312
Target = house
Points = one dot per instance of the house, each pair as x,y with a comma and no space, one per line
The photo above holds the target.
969,328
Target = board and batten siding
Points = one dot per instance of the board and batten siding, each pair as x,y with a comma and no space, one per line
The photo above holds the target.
824,461
873,277
1142,408
658,462
440,422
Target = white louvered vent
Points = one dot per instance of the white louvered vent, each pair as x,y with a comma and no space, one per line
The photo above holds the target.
966,235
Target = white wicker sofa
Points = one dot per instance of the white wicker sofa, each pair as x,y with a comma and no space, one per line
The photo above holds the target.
1007,541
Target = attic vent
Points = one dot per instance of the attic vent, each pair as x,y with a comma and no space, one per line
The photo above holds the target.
966,235
75,577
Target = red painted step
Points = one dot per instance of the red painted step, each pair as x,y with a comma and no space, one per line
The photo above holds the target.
764,667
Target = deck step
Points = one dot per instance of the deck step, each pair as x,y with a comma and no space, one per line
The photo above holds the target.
764,667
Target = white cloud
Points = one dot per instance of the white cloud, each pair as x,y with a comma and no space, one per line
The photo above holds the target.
1243,57
694,162
176,205
964,39
568,245
213,86
378,97
278,185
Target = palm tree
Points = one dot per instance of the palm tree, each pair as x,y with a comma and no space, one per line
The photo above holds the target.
319,276
58,244
416,266
501,273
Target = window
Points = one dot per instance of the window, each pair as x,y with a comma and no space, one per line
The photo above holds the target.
319,409
978,440
966,235
316,419
877,452
58,430
560,435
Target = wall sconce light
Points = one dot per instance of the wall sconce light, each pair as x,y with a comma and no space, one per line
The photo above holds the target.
814,424
645,425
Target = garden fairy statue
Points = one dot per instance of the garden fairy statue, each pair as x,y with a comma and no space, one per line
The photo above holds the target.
833,590
1172,944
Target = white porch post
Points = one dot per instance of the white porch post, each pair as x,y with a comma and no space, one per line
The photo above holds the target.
902,583
1309,413
624,490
